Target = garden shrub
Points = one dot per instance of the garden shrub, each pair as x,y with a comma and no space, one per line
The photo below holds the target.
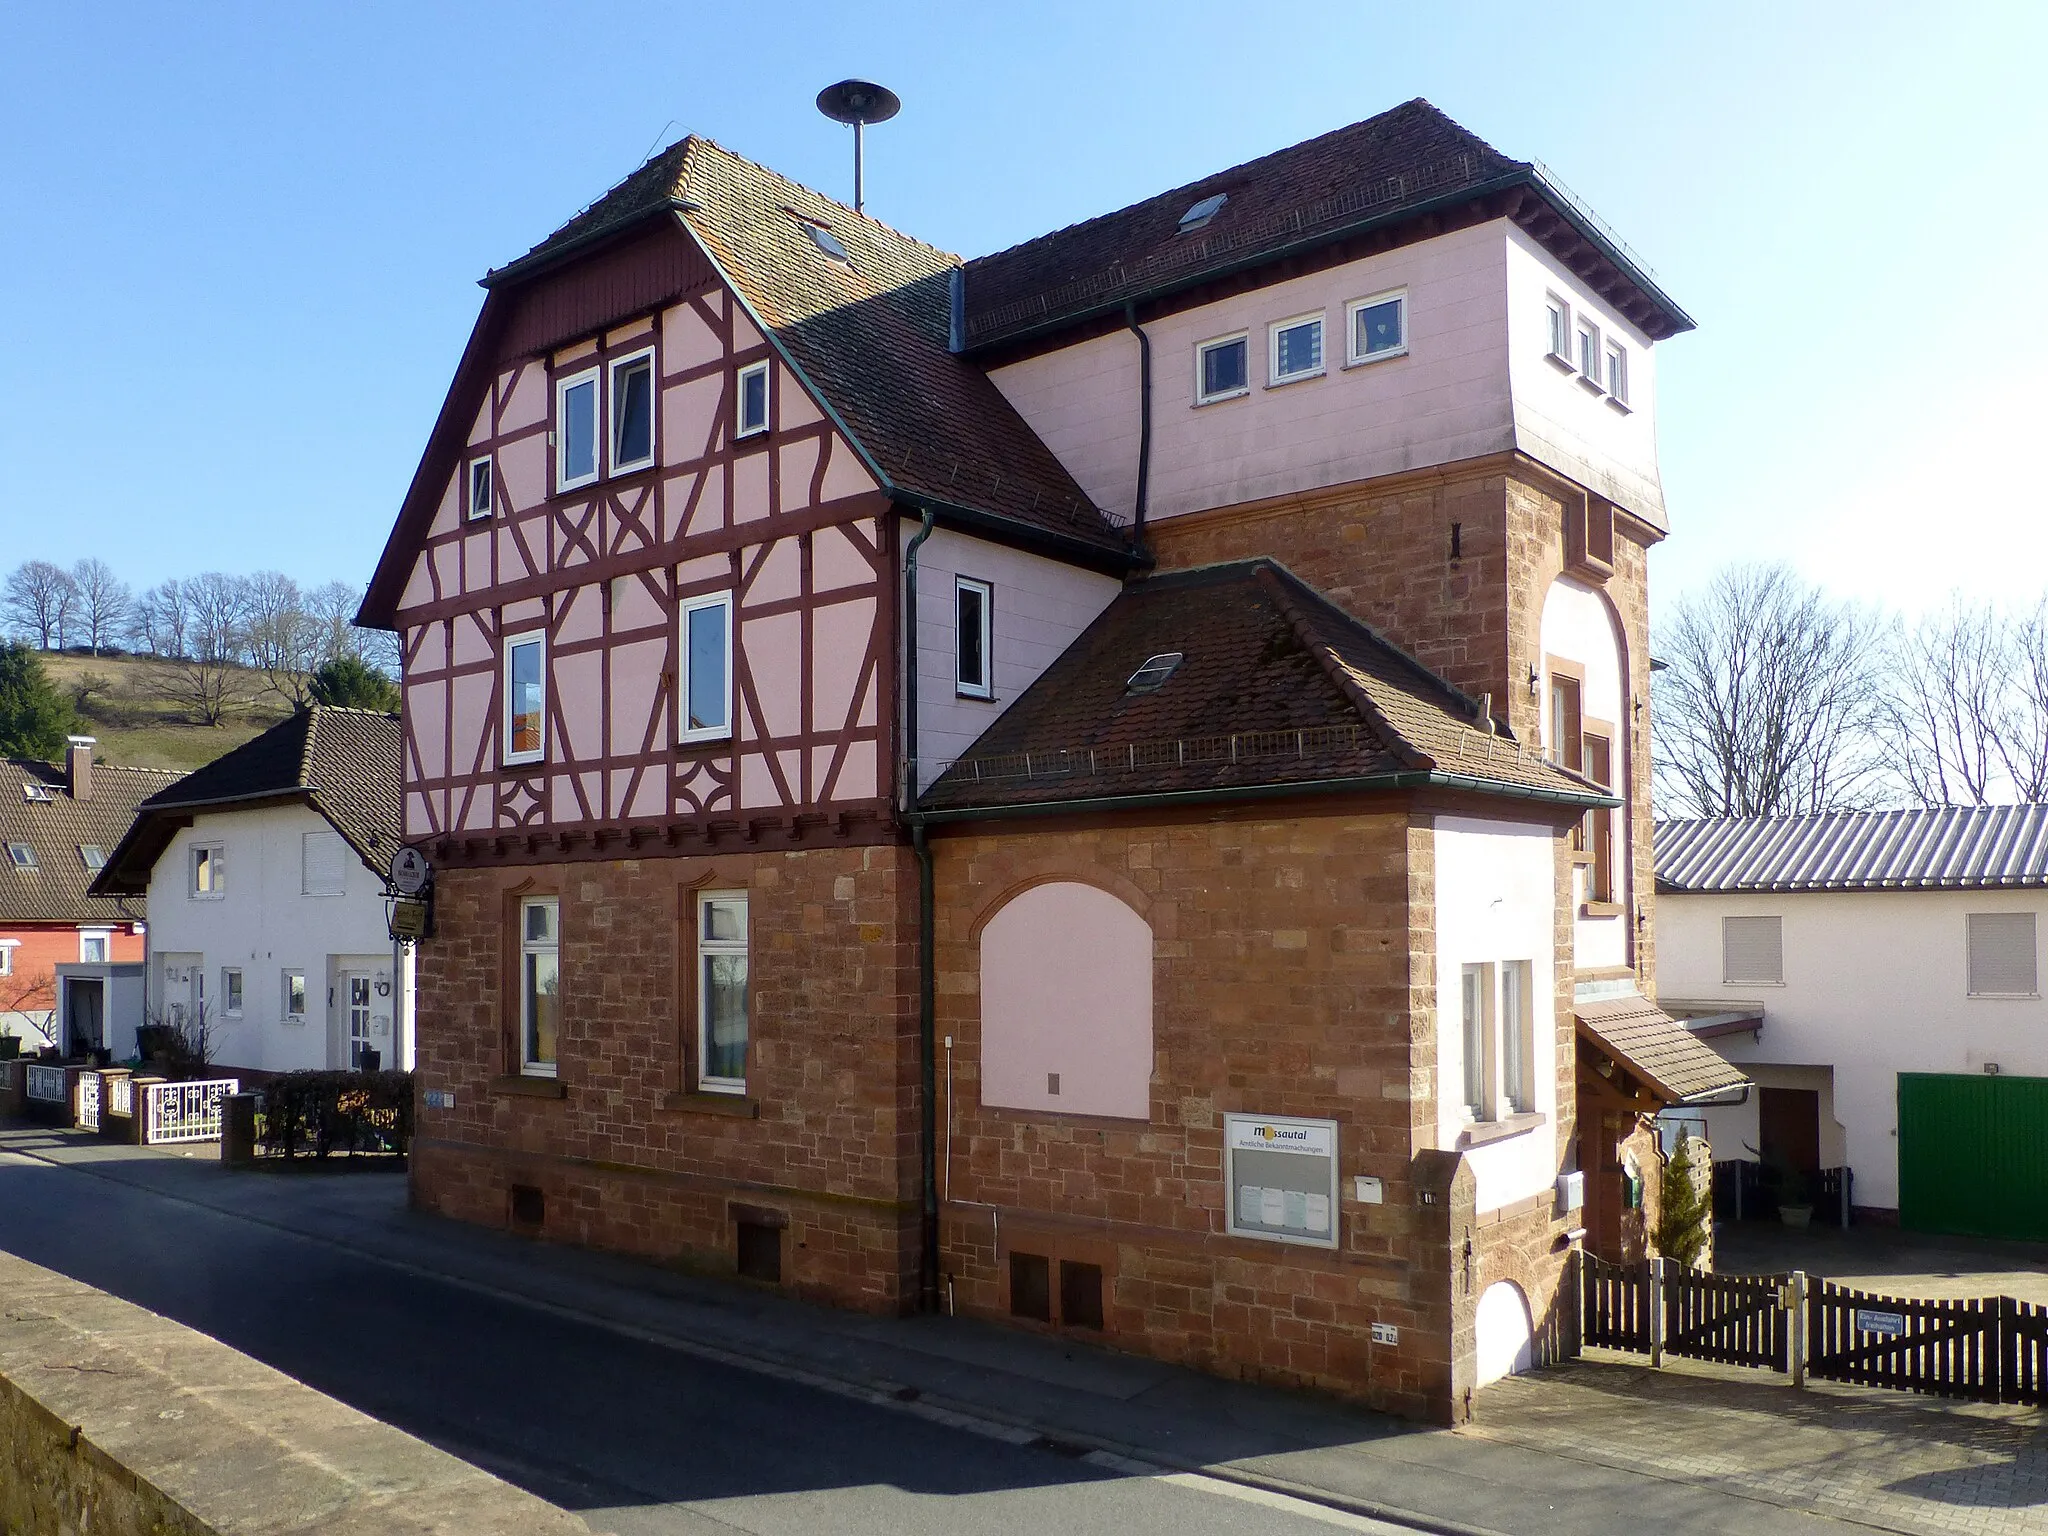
310,1114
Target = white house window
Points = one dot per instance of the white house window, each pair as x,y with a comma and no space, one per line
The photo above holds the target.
1559,315
295,996
1589,353
1498,1038
973,605
633,412
1753,950
21,855
1297,349
1378,327
1476,1016
231,991
323,864
722,992
526,698
7,949
1517,1038
576,430
2002,955
540,985
706,691
1222,369
752,400
209,871
479,488
1617,373
94,945
93,857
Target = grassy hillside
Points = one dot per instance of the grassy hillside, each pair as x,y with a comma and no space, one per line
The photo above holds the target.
137,725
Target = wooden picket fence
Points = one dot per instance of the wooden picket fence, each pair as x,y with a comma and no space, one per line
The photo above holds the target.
1993,1350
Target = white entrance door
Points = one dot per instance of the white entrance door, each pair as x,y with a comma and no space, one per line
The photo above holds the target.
355,992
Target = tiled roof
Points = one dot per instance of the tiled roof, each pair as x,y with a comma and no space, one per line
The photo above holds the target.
57,890
1372,172
1953,848
342,762
1657,1048
870,334
1276,687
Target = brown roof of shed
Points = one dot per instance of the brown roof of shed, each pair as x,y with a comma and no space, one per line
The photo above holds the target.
344,763
58,889
1657,1048
1276,687
1385,169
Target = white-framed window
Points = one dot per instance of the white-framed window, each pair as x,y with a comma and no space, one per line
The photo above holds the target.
1377,327
93,857
231,991
750,401
1497,1038
2002,961
540,985
576,429
1475,1015
480,488
1557,314
1223,368
21,856
1517,1037
294,997
705,712
1295,349
526,697
323,864
7,949
1753,950
1617,373
1589,352
95,946
632,397
973,631
209,871
722,991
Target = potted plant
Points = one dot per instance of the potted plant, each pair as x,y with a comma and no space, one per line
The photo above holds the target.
1795,1194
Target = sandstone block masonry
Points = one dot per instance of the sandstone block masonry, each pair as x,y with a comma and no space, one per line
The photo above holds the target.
817,1160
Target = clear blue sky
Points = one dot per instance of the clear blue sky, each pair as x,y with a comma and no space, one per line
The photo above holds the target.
238,242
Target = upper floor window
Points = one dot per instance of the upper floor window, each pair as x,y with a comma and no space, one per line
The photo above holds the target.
633,412
2002,955
480,487
722,991
576,430
94,945
526,698
1617,373
1497,1039
752,401
1753,950
706,693
1567,722
209,871
1379,327
1222,369
1589,353
1559,315
973,603
540,985
1297,349
1597,831
323,864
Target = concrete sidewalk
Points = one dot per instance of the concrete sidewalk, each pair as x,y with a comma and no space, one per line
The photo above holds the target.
1588,1447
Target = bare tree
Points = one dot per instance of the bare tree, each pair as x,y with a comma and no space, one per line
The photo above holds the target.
103,601
333,608
1948,697
200,676
2026,729
29,999
36,599
283,640
1769,701
159,620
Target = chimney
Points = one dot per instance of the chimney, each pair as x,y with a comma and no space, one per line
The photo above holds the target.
78,764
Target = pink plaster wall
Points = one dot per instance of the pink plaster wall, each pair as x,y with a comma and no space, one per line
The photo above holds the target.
1066,989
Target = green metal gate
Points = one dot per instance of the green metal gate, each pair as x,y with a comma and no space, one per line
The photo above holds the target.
1973,1155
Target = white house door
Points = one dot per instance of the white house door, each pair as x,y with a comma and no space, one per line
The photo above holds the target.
355,991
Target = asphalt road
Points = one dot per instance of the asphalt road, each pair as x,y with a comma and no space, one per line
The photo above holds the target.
635,1437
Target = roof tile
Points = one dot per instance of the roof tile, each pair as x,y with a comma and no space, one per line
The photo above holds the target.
1950,847
58,889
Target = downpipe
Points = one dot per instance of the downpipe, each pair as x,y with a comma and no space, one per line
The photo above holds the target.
927,1010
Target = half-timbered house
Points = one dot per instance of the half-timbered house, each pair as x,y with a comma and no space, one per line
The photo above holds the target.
943,777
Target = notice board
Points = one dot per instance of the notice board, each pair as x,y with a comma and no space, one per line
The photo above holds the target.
1282,1177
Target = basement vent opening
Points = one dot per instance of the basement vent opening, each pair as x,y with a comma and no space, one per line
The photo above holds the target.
1154,673
1201,213
529,1207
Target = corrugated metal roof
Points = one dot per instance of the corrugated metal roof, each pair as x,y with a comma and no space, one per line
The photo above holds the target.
1953,848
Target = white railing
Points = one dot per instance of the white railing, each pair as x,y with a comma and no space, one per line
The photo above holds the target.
88,1101
121,1095
186,1111
46,1084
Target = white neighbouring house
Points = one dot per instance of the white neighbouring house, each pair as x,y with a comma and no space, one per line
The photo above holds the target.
1877,975
268,867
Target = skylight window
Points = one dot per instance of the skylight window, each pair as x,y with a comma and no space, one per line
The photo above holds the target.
37,794
1201,213
95,858
824,239
1154,673
23,856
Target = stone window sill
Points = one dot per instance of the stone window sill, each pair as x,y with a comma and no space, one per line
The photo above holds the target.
529,1087
1600,909
1486,1131
729,1104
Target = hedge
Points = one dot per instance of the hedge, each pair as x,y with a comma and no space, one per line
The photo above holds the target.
314,1113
